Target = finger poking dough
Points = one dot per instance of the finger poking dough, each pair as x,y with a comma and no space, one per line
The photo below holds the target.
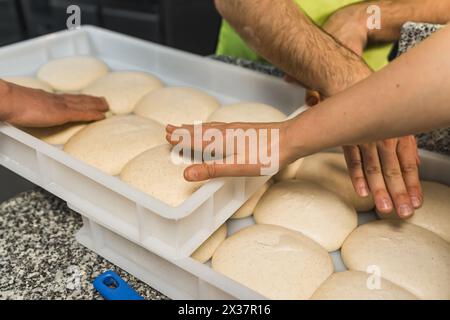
330,171
307,207
29,82
71,74
154,173
274,261
247,209
407,255
207,249
353,285
123,89
176,105
247,112
434,215
109,144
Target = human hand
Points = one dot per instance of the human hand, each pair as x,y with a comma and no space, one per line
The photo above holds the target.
279,150
28,107
388,169
349,27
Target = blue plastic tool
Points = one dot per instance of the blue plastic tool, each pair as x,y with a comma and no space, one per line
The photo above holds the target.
112,287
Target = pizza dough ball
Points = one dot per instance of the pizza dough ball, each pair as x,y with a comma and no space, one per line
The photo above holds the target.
247,209
176,105
407,255
434,215
289,172
109,144
29,82
307,207
72,74
155,173
56,135
123,89
207,249
330,171
247,112
353,285
274,261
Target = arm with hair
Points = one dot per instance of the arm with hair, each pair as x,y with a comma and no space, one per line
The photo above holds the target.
281,33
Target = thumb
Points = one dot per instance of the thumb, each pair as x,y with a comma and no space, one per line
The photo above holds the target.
204,171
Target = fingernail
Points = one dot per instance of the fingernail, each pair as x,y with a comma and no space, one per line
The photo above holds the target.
362,190
405,210
169,127
384,204
190,174
416,202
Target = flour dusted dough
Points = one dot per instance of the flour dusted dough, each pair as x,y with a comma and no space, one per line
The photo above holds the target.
352,285
56,135
207,249
247,209
247,112
176,105
155,173
123,89
72,74
434,215
29,82
407,255
109,144
330,171
289,172
274,261
307,207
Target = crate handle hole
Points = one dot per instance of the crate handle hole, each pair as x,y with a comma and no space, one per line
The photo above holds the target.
111,283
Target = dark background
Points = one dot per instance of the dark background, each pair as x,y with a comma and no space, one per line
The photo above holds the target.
190,25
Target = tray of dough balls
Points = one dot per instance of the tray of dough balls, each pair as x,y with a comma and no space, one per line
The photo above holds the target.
307,237
117,171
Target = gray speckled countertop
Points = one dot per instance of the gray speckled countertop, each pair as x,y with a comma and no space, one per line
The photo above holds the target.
40,258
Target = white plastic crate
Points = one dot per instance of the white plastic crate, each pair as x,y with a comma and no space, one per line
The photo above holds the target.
170,232
188,279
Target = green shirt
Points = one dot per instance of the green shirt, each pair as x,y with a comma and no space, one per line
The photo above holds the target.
319,11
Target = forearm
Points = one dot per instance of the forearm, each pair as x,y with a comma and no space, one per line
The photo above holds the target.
4,105
394,13
410,95
282,34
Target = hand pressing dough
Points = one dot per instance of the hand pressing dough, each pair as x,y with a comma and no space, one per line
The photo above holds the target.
71,74
155,173
176,105
434,215
56,135
207,249
247,112
289,172
123,89
307,207
330,171
352,285
109,144
29,82
274,261
407,255
247,209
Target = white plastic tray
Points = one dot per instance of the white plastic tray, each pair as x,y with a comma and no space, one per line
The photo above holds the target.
189,279
167,231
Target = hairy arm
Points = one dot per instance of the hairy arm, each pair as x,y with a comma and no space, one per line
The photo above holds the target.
280,32
410,95
394,13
